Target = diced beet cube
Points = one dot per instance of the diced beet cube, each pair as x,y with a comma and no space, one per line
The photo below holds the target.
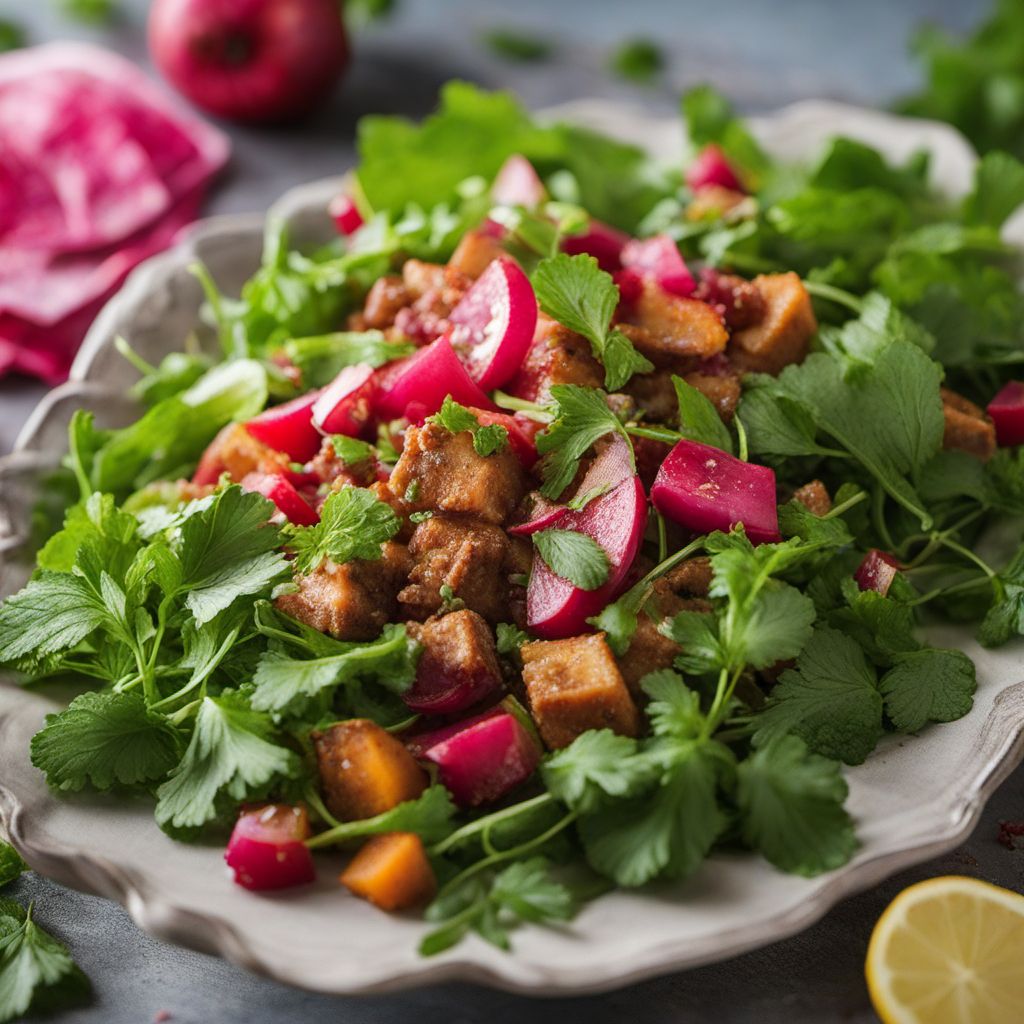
346,215
630,283
659,259
877,571
1007,412
705,489
289,428
483,761
601,241
278,489
267,848
712,167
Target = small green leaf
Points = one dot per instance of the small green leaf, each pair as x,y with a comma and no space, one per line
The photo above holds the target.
573,556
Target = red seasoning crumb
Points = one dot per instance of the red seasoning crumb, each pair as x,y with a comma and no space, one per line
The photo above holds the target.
1011,834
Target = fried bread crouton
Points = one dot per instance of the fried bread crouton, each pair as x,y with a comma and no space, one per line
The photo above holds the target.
814,497
967,427
353,601
784,334
672,331
441,472
574,685
556,356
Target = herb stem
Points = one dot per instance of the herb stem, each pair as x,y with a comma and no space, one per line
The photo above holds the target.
662,537
970,556
845,506
654,434
475,828
837,295
741,436
527,408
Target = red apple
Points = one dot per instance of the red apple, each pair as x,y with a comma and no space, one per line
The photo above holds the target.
250,60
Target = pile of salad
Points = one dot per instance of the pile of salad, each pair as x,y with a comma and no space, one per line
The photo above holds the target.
566,519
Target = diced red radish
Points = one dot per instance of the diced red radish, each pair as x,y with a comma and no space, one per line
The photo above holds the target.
877,571
518,184
601,241
419,743
267,849
289,428
712,167
522,432
543,516
705,489
658,258
346,404
483,759
630,284
441,690
492,228
493,324
616,519
427,377
1007,412
276,488
345,214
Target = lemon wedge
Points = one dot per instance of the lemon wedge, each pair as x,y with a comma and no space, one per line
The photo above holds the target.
949,951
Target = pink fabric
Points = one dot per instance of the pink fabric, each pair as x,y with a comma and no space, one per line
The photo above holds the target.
99,169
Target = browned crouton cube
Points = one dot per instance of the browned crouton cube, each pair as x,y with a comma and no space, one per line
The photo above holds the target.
648,651
655,396
814,497
420,278
557,356
353,601
475,253
441,472
968,428
574,685
236,452
472,558
364,770
785,333
721,390
692,577
387,296
459,654
672,331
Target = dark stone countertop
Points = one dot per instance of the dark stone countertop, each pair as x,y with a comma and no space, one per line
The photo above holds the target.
763,54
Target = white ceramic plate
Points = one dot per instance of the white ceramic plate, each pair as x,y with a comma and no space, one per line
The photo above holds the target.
914,798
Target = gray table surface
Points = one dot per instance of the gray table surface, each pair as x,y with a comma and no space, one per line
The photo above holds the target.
764,53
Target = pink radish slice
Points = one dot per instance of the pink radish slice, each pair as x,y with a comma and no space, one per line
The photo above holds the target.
543,516
426,378
705,489
601,241
484,759
659,259
1007,412
555,608
346,404
345,214
711,167
518,184
276,488
289,428
437,690
419,743
266,848
493,324
877,571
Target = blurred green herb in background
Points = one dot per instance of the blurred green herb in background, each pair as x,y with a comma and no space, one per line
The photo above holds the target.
516,45
639,60
92,12
12,36
976,84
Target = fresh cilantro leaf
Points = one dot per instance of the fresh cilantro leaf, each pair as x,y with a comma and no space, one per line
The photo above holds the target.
598,764
674,709
97,520
698,418
879,323
928,686
322,357
230,755
228,550
351,450
697,635
105,739
667,832
517,46
35,969
573,556
791,808
639,60
510,638
797,520
354,523
429,816
1003,620
888,416
881,625
11,864
577,293
283,682
776,425
54,612
830,700
998,190
455,418
583,418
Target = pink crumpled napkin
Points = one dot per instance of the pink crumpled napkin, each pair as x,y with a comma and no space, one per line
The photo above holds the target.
99,169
